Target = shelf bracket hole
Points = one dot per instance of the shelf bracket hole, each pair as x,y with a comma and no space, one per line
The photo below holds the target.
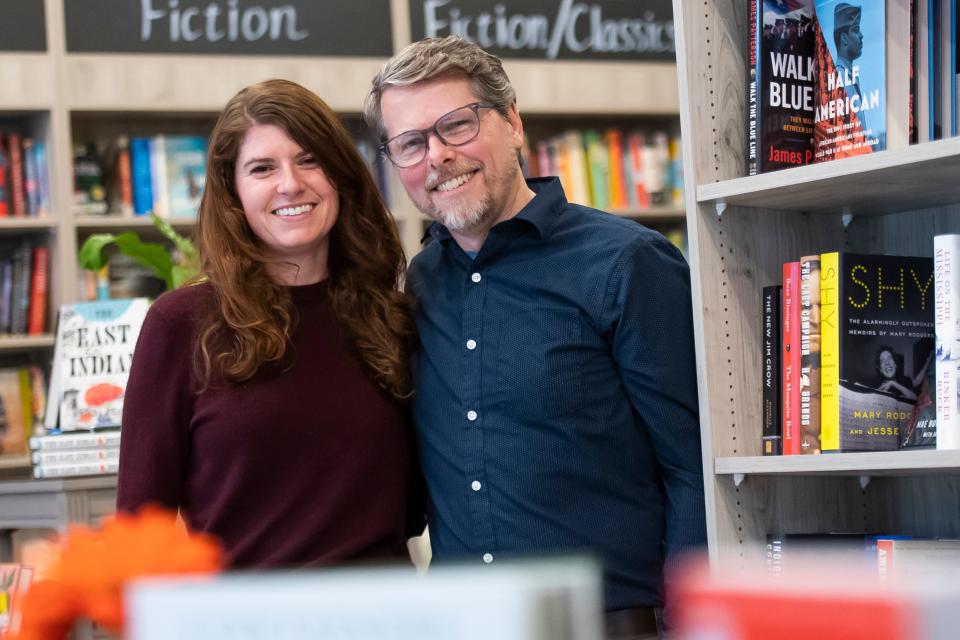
738,479
864,481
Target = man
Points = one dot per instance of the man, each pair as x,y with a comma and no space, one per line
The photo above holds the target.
556,400
849,42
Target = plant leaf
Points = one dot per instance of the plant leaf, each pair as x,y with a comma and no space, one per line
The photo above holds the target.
150,254
184,245
91,253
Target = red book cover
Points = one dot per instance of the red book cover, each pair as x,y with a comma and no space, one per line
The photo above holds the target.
16,175
4,183
37,320
791,358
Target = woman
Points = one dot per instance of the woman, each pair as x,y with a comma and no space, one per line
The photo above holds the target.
267,402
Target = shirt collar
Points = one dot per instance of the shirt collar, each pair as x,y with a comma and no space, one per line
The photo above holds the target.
541,212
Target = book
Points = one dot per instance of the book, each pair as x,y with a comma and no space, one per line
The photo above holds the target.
906,559
73,441
101,467
809,378
770,362
76,456
37,312
141,181
859,55
877,335
946,261
15,579
14,424
791,358
18,204
185,164
780,85
95,342
89,194
4,180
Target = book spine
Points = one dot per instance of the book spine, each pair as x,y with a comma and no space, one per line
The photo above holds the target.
809,355
791,358
770,361
75,440
37,321
829,352
124,177
4,181
79,469
753,73
43,176
946,269
78,456
20,298
884,558
140,172
31,183
618,194
14,149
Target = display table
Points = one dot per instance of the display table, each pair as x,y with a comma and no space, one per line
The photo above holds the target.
56,503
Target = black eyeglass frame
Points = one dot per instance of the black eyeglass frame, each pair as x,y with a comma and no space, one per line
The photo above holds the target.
425,133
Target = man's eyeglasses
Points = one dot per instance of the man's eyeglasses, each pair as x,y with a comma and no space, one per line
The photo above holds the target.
456,128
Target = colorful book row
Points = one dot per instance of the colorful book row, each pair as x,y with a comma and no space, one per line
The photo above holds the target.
24,181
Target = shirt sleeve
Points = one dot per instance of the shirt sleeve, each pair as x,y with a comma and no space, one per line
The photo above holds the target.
154,427
652,342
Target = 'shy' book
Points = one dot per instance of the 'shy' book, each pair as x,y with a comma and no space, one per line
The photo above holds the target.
862,78
95,342
876,317
186,169
946,261
770,361
780,85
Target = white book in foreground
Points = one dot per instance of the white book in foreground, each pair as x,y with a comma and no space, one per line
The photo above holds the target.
946,296
559,600
76,440
76,456
76,469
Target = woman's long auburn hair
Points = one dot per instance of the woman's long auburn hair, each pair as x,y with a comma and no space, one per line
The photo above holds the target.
365,265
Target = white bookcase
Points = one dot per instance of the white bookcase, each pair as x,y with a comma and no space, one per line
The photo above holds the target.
741,229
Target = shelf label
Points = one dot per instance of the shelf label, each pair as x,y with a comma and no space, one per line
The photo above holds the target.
229,27
22,26
553,30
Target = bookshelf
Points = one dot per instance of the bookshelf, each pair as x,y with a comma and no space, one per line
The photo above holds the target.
65,97
741,229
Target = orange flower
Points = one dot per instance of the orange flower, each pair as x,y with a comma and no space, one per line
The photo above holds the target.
94,565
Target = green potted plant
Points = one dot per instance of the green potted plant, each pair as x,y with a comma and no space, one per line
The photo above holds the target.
174,267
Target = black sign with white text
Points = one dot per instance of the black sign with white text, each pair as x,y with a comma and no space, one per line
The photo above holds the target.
22,26
255,27
553,29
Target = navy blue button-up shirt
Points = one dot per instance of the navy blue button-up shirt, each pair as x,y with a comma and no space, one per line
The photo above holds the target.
556,397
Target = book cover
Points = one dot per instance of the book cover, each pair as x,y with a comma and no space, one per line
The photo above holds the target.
809,378
618,184
791,358
96,342
18,203
15,425
946,261
75,456
107,438
31,180
599,170
770,363
186,170
877,328
850,109
141,180
70,470
37,314
780,92
906,559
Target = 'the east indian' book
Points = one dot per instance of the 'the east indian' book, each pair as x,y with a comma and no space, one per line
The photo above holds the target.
780,85
93,353
876,316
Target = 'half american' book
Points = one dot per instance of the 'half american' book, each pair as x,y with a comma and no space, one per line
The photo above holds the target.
876,316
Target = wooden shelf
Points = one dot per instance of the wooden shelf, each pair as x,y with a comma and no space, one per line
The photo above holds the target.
888,463
23,343
677,214
917,177
19,225
27,80
15,462
127,223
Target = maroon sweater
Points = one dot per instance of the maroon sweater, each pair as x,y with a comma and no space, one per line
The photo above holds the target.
305,464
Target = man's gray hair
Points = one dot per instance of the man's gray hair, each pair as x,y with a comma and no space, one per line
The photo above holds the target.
435,57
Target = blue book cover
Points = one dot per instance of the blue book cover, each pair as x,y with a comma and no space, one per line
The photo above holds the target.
850,117
186,165
140,176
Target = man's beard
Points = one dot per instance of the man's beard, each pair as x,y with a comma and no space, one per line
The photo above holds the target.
462,216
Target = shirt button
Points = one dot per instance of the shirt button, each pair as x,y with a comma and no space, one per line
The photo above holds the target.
488,558
471,344
471,415
475,277
475,485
